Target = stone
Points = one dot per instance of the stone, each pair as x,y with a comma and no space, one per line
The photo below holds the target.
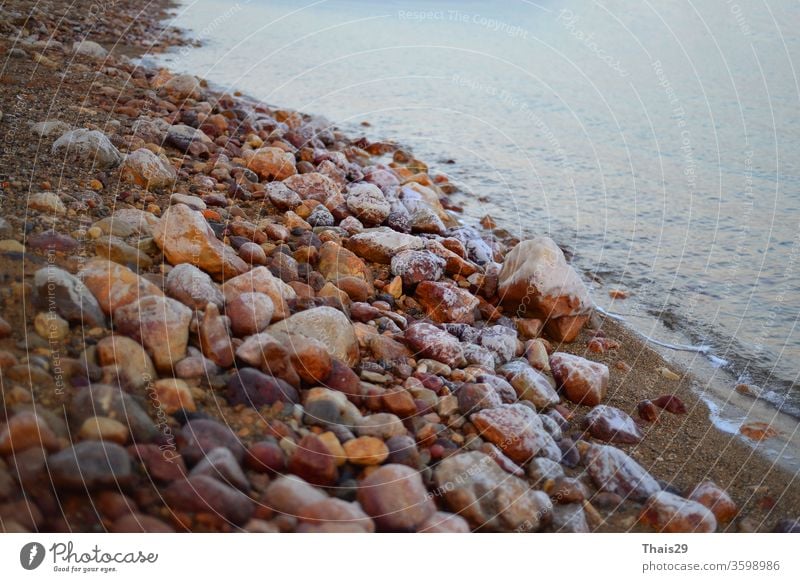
267,353
615,472
272,163
173,394
102,428
542,469
429,341
261,280
501,341
252,254
712,496
569,518
343,379
117,250
148,170
282,197
537,280
115,286
515,428
612,425
670,403
336,262
183,87
309,357
565,329
251,387
475,487
335,512
381,244
366,450
113,403
329,326
367,203
536,354
417,266
312,461
87,147
250,313
220,464
89,48
530,384
129,358
48,202
266,457
446,303
192,287
90,465
72,299
396,499
215,341
314,186
185,237
381,425
582,381
289,494
161,324
320,216
758,431
444,522
25,430
138,221
49,128
204,494
50,326
667,512
199,436
182,137
328,407
474,397
648,411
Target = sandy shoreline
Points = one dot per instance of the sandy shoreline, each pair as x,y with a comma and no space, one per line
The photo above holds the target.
679,450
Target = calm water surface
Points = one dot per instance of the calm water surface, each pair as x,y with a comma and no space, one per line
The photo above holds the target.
660,142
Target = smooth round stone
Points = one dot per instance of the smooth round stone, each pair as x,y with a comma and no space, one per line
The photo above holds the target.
366,451
249,313
252,254
102,428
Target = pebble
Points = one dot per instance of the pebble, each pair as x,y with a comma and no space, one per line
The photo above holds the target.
161,324
530,384
541,470
312,461
569,518
309,357
220,464
199,436
272,163
381,244
25,430
250,387
414,267
163,465
185,237
148,170
329,326
183,87
334,515
249,313
667,512
89,48
252,254
582,381
129,358
111,402
396,499
474,397
712,496
192,287
117,250
446,303
261,280
266,457
114,285
282,197
70,297
91,465
381,425
102,428
49,128
366,450
204,494
514,428
215,341
47,202
50,326
612,425
444,522
184,138
614,471
431,342
477,489
86,146
173,394
289,494
670,403
367,203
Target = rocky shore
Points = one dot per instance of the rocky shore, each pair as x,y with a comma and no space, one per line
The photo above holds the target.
218,315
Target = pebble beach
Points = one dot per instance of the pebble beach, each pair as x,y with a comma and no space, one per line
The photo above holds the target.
218,315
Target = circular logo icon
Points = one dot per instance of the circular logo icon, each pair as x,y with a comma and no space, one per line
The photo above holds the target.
31,555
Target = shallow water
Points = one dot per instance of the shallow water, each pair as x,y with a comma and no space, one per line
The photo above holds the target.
658,142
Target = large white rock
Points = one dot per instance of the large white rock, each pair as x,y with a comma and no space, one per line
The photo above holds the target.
328,325
88,147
